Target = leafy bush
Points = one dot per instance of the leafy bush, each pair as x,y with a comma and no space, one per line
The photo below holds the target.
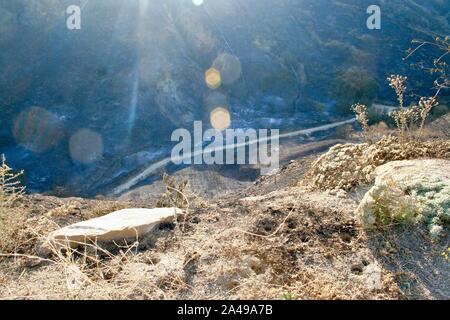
439,111
355,85
374,117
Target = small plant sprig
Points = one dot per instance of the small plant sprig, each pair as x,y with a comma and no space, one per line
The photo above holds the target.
426,105
175,193
361,115
412,115
11,218
398,83
446,254
290,296
11,189
406,118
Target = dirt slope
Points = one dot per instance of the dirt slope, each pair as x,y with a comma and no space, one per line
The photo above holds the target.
288,243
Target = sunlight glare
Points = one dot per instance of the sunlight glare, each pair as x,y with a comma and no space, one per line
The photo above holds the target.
213,78
220,119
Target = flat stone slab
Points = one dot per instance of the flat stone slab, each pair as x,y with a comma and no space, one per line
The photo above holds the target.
406,169
118,225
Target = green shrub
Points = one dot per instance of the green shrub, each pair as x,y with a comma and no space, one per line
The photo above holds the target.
439,111
352,86
375,117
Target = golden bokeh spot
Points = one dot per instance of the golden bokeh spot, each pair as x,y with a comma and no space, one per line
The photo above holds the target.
37,129
86,146
220,119
213,78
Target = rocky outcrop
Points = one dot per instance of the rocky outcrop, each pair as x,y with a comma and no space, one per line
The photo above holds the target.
409,191
346,166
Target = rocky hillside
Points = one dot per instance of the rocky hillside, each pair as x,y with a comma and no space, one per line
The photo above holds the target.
289,243
107,97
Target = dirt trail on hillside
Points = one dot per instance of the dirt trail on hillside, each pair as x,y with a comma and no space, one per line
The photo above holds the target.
164,162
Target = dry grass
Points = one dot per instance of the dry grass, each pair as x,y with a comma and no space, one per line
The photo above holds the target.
291,243
361,115
288,244
225,252
11,214
65,273
97,271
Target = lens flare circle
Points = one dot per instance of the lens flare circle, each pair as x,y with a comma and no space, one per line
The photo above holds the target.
213,78
86,146
197,2
37,129
220,119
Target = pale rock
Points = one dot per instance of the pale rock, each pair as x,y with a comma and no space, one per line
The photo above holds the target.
402,170
332,192
249,200
252,265
373,277
341,194
116,226
75,278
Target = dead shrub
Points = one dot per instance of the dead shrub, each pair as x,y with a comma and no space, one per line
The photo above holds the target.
12,218
178,194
